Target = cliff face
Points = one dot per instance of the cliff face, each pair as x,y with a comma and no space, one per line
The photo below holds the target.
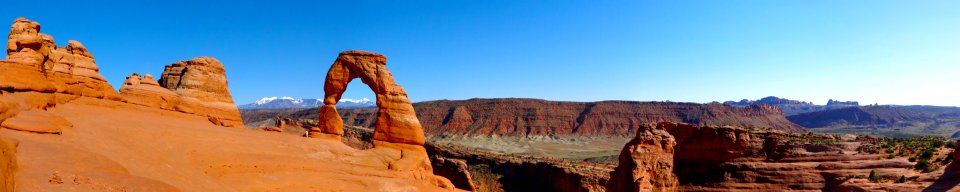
491,172
529,117
724,158
533,117
700,150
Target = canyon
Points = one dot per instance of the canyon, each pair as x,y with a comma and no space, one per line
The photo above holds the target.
63,127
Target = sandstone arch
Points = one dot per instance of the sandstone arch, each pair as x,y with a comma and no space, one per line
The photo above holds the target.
396,120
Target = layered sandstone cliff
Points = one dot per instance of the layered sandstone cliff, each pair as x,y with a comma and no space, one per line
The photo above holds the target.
723,158
534,117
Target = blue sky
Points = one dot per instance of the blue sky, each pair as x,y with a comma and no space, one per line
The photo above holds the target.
887,52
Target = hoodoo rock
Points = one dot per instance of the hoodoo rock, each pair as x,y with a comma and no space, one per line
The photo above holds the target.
202,84
646,163
35,63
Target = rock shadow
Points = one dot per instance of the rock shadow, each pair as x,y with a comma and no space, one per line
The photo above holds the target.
947,181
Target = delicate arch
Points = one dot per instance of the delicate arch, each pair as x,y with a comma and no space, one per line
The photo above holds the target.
396,120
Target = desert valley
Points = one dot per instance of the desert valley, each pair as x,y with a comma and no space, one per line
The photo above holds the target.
65,127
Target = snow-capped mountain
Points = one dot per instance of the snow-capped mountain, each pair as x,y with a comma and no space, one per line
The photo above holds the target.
290,102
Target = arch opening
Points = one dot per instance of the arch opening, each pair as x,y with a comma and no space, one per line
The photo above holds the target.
396,121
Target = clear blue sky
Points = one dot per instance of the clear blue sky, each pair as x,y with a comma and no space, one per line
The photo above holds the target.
887,52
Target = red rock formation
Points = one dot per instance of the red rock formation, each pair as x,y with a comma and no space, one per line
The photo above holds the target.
456,170
37,122
397,130
717,143
202,84
646,163
146,92
700,150
102,144
34,63
396,120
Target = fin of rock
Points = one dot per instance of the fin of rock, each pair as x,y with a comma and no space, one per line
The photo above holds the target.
202,84
37,75
35,63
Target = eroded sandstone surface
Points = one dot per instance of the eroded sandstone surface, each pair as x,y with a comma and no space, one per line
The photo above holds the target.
202,84
65,129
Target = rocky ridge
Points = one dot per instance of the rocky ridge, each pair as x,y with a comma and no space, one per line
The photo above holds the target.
540,118
793,107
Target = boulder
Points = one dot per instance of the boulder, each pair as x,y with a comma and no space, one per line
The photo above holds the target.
646,163
202,84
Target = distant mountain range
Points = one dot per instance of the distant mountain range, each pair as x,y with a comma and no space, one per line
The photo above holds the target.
793,107
290,102
885,120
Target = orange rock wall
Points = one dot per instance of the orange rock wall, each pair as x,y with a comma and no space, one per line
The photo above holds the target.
646,163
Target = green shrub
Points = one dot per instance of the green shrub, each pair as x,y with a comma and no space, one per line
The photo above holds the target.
890,156
927,154
923,164
912,159
873,176
902,179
